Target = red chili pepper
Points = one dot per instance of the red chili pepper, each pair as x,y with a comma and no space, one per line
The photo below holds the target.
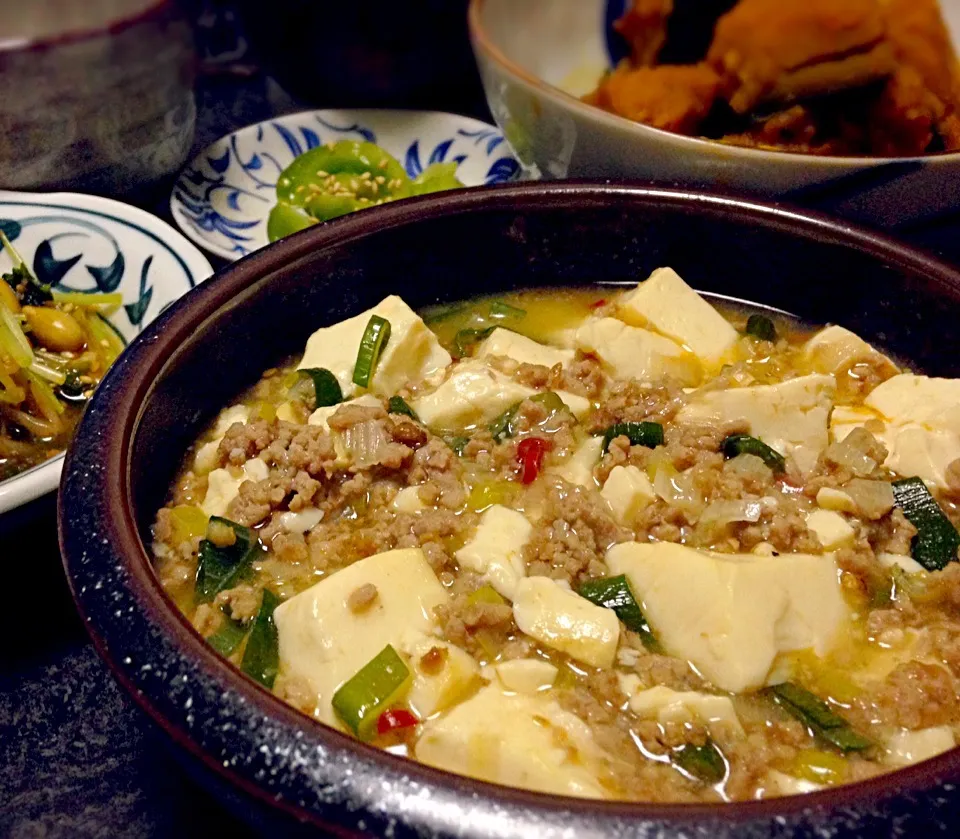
395,719
530,454
598,304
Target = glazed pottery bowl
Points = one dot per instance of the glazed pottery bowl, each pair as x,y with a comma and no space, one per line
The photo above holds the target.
96,96
538,57
213,344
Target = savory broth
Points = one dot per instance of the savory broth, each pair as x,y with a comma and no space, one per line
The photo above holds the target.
613,542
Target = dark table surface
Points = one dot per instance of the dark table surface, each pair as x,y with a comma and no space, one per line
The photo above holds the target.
77,759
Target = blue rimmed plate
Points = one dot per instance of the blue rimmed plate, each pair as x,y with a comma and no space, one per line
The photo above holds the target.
223,196
86,243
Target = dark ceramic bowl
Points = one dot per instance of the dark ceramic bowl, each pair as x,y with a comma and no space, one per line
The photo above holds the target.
292,772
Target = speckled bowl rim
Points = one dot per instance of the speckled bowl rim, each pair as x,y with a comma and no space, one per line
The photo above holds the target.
482,42
353,787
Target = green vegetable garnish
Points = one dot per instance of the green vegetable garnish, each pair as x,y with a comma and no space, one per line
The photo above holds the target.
466,338
550,401
21,279
261,657
285,219
379,684
649,434
221,567
326,388
818,716
615,593
398,405
737,444
458,444
705,763
760,326
228,637
937,540
437,177
374,339
502,426
504,311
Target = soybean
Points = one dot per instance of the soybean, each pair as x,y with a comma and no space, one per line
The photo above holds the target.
56,330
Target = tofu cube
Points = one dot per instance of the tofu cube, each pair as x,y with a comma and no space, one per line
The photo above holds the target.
835,350
666,303
442,673
627,490
223,485
682,707
523,350
496,549
411,354
908,747
526,675
565,621
832,530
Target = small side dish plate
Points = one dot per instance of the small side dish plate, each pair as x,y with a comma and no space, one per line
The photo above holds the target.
84,243
223,197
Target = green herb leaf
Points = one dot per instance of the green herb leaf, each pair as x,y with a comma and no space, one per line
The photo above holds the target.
503,426
326,388
21,279
737,444
649,434
615,593
705,763
261,658
819,717
228,637
373,342
221,568
398,405
760,326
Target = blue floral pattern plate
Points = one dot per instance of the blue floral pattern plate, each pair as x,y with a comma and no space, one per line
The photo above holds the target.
222,198
86,243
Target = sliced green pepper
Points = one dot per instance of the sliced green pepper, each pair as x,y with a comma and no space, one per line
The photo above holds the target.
221,567
437,177
285,219
649,434
737,444
937,540
818,716
378,684
261,657
615,593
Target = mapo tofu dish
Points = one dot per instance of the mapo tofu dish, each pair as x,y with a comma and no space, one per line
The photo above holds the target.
857,77
612,542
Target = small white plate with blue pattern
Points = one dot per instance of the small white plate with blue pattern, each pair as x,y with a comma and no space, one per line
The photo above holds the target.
222,198
85,243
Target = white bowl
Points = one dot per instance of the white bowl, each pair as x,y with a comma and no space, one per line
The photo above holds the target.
224,195
537,57
95,244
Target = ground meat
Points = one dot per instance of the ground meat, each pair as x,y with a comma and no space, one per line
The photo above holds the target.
892,534
290,548
635,401
244,441
480,628
347,416
242,602
361,599
584,377
407,432
915,695
256,499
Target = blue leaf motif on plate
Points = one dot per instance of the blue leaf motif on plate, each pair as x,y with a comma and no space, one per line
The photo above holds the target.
220,164
289,138
48,269
255,162
440,152
356,128
310,137
109,276
136,311
502,170
11,229
411,161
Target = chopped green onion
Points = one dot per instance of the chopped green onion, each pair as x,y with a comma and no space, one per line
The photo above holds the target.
440,313
326,388
373,342
937,540
615,593
704,763
466,338
261,657
83,298
760,326
398,405
221,568
13,340
818,716
649,434
43,369
737,444
504,311
228,637
378,684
